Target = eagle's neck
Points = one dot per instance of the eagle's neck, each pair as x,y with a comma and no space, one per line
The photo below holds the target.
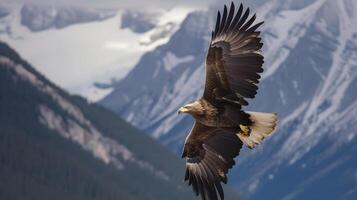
208,113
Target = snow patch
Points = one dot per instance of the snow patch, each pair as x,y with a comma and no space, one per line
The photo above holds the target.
283,33
282,97
79,55
171,61
95,94
253,186
325,107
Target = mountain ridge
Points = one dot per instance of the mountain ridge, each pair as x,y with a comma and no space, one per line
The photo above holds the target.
69,54
57,146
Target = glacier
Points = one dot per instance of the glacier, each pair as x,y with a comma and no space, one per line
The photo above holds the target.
82,49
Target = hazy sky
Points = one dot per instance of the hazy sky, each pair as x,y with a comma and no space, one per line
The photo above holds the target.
141,4
124,3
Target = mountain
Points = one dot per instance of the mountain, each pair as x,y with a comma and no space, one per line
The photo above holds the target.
57,146
139,22
309,80
169,76
73,37
42,17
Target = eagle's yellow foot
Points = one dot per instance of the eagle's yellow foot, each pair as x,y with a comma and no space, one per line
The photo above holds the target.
244,130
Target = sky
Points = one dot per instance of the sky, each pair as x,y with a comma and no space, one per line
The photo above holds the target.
138,4
123,3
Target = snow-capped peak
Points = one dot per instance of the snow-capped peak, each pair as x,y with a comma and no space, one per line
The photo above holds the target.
88,51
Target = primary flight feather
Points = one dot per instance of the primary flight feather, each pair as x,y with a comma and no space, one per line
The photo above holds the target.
233,64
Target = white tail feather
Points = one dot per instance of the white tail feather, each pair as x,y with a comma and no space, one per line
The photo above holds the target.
263,125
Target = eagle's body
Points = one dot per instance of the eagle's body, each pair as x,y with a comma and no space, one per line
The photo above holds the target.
233,64
213,116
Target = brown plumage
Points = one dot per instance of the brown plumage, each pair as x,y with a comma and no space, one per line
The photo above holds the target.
233,64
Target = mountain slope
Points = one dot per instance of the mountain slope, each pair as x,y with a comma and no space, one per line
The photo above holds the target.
74,37
57,146
46,16
309,79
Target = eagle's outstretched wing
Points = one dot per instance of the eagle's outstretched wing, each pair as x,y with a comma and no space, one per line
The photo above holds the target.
210,154
233,61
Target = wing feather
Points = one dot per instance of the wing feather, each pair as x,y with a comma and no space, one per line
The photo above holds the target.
242,20
217,23
234,61
210,154
230,17
224,18
236,18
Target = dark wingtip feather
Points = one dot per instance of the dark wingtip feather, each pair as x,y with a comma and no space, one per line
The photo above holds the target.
225,10
187,175
243,19
243,102
212,191
218,22
253,28
250,22
224,18
230,17
240,9
220,190
195,186
200,187
237,17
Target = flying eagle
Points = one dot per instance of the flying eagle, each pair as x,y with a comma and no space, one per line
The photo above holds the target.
233,64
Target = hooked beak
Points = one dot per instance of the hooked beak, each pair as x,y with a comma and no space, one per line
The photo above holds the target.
182,110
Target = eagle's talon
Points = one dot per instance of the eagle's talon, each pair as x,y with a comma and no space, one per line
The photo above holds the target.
245,130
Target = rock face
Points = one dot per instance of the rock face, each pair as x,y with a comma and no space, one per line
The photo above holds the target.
309,79
71,32
166,76
41,17
137,21
57,146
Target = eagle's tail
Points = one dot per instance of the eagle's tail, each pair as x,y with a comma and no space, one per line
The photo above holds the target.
263,124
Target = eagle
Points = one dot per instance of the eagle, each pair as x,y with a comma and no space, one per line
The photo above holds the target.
233,64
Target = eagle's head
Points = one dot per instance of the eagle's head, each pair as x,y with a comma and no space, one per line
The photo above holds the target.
194,108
